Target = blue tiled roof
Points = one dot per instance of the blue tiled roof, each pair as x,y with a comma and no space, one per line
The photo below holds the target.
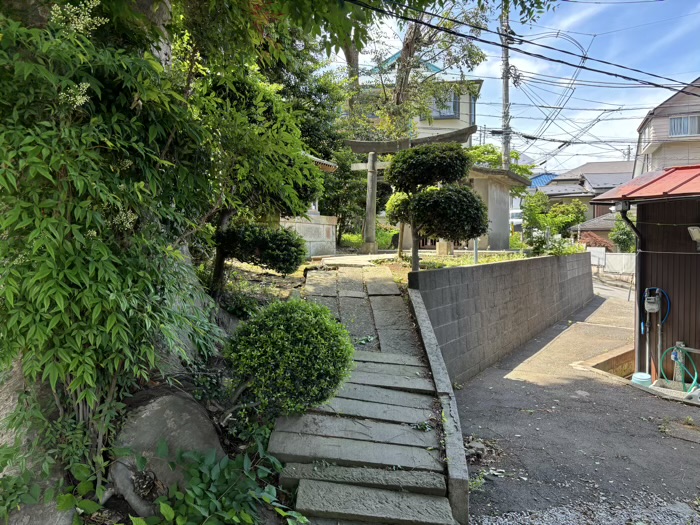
542,179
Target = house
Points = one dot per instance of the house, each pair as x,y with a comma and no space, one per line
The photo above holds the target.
601,226
457,112
667,263
587,181
669,135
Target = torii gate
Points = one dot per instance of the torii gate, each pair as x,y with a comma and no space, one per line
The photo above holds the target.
372,148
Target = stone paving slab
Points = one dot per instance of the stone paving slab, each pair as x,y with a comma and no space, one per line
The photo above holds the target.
390,312
402,480
358,429
356,315
385,357
330,521
295,448
350,293
329,302
350,280
321,283
391,369
333,500
380,281
418,385
385,396
398,341
369,410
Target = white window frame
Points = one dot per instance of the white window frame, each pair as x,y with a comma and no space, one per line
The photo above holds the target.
685,124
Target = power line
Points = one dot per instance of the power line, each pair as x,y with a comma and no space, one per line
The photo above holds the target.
535,55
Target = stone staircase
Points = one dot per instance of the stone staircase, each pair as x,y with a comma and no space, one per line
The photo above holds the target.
371,455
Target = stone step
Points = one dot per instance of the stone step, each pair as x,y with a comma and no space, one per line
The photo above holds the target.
389,358
402,480
367,410
328,521
392,370
358,429
380,281
419,385
350,502
297,448
385,396
321,283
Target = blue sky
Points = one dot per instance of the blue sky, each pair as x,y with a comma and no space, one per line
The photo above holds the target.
664,47
658,36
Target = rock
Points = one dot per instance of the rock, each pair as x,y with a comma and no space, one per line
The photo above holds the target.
176,419
42,514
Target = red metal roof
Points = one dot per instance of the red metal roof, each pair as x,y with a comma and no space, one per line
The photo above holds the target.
679,182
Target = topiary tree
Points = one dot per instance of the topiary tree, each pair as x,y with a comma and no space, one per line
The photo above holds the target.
430,210
278,249
288,358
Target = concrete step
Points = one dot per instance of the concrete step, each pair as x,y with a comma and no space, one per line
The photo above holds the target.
419,385
385,396
380,281
322,499
368,410
392,369
402,480
358,429
389,358
328,521
297,448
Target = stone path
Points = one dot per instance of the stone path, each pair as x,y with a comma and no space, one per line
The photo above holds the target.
369,455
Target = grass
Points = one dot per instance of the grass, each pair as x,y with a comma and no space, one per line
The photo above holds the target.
401,268
354,240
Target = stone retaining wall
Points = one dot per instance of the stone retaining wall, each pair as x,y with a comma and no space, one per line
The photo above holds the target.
319,232
481,313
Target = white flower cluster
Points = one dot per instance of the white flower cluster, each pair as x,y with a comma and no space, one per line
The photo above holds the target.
75,96
78,18
123,220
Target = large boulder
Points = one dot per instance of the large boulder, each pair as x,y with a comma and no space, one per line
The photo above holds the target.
178,420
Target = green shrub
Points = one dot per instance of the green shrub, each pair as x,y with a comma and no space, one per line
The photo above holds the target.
289,357
516,242
351,240
278,249
384,238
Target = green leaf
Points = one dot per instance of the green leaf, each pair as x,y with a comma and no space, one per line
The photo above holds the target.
66,502
137,521
141,463
162,449
167,511
89,506
81,472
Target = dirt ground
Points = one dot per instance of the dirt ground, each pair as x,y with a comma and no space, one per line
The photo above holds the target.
560,436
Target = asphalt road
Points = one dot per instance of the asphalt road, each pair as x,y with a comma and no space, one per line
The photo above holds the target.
566,437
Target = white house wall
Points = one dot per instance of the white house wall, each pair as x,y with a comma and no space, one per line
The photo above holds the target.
425,128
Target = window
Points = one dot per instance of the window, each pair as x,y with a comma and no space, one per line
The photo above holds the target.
683,126
449,109
472,111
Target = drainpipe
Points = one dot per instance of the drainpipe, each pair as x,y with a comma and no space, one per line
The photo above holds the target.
624,208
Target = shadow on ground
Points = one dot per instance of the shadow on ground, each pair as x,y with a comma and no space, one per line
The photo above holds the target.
569,435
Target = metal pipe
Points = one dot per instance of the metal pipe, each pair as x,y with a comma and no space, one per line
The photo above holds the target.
647,345
637,269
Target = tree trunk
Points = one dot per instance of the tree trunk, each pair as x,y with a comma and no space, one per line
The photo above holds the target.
218,276
405,64
415,241
401,237
352,57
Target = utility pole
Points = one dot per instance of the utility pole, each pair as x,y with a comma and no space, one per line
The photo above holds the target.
628,154
505,30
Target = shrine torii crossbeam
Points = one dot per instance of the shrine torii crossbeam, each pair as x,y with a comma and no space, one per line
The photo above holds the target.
372,148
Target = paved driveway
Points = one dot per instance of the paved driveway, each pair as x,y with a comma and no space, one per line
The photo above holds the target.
570,437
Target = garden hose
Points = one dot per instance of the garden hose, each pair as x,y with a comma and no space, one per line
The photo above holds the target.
687,354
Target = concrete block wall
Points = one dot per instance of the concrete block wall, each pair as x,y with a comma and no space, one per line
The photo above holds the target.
482,313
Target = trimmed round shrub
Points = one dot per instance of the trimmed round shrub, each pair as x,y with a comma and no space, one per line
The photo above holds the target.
278,249
416,168
292,355
456,213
